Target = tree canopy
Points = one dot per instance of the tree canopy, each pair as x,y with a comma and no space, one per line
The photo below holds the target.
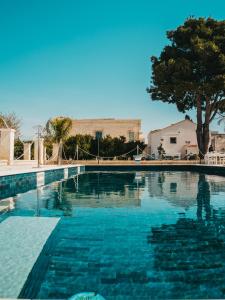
58,129
190,72
10,120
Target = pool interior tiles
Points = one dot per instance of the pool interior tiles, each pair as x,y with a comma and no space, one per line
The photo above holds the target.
129,236
100,253
119,261
11,185
21,241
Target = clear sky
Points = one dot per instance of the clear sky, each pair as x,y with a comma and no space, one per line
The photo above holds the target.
88,58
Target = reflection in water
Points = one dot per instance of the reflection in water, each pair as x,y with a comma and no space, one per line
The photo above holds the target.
178,188
203,197
190,254
86,190
103,183
104,189
7,204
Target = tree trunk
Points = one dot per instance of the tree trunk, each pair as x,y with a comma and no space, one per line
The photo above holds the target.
60,153
199,131
202,130
206,126
205,137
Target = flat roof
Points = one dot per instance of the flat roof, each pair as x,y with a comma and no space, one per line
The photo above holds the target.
107,119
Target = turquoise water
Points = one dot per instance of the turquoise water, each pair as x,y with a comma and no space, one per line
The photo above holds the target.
129,236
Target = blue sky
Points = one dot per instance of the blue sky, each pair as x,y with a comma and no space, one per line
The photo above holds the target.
88,58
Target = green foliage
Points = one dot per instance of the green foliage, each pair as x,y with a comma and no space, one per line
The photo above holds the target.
193,64
18,149
58,129
49,147
108,146
190,72
83,141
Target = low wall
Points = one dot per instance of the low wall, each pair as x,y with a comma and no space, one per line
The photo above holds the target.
132,162
206,169
24,162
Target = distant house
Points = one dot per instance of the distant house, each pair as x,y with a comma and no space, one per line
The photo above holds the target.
178,139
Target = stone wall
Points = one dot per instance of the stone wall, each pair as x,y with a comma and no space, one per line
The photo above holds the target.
7,144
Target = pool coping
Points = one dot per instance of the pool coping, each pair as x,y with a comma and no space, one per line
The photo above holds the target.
41,228
18,170
118,167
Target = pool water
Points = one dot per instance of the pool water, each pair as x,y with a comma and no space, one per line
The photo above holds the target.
133,235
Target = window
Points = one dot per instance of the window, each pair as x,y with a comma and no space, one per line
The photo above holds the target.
131,136
173,187
98,135
173,140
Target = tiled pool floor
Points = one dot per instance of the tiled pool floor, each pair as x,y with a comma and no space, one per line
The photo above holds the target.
109,254
106,253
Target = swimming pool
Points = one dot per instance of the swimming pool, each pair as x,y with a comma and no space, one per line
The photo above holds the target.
124,235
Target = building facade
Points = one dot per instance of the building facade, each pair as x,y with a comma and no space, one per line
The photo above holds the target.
178,139
130,129
218,141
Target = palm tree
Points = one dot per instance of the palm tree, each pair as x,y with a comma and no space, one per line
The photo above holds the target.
58,130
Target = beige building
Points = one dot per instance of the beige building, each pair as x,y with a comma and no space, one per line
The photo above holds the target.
129,128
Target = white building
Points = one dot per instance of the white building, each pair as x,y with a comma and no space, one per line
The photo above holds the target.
218,141
178,139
